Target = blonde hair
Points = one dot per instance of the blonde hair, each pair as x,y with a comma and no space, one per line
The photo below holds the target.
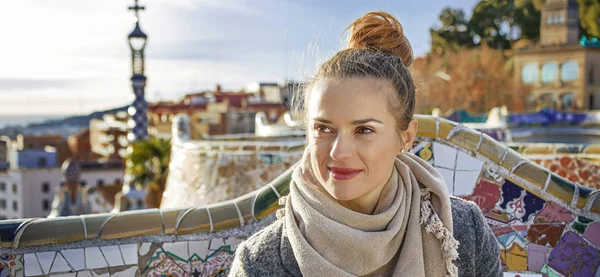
376,48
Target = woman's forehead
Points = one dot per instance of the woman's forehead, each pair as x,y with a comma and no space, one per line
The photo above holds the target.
355,98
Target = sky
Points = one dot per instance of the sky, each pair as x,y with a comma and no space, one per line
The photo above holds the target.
65,57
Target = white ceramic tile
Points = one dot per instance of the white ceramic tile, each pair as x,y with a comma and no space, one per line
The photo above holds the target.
130,272
516,274
233,242
45,259
30,262
465,182
129,252
448,178
179,249
468,162
144,248
200,248
75,258
216,243
444,156
60,265
113,255
94,258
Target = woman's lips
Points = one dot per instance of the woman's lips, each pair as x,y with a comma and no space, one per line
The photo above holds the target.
341,173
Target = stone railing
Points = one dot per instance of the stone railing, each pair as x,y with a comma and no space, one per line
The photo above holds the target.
544,223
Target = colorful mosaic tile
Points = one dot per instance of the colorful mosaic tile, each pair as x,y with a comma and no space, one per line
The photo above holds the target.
486,195
553,213
520,203
216,263
583,171
12,265
573,256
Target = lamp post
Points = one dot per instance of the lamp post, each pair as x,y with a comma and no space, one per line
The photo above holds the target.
138,122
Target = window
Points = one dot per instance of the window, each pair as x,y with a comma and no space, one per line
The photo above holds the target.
14,188
46,205
529,73
567,101
15,206
549,72
2,186
591,75
569,71
45,187
100,182
3,204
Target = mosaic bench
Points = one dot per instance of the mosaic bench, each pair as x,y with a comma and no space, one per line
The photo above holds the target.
545,224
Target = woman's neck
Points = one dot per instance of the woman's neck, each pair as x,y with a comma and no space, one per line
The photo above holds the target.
367,203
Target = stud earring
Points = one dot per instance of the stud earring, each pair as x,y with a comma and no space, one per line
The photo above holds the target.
403,151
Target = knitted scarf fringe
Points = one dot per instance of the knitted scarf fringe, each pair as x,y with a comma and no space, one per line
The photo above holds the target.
433,225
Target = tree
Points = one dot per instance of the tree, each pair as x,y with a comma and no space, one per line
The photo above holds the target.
453,33
475,80
589,17
148,164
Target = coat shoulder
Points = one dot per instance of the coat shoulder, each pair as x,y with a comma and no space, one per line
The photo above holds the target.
260,254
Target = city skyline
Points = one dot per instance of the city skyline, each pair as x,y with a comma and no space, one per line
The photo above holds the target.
70,57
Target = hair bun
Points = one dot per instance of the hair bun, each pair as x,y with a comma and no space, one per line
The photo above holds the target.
382,31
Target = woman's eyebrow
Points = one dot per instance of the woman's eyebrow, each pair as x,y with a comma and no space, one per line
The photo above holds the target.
322,120
366,120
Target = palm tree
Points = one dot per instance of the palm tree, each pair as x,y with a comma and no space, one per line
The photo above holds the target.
148,166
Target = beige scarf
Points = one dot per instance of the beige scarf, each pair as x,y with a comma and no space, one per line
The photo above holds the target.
404,236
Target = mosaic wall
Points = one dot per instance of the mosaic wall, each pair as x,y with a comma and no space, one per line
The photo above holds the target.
577,163
224,172
545,224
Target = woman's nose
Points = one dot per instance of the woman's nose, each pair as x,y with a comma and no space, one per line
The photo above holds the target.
342,148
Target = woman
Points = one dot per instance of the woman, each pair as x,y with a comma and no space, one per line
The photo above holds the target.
359,203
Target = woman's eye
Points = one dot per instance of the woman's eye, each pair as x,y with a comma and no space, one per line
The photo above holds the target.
322,129
364,130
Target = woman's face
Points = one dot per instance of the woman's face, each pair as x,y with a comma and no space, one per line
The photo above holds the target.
352,135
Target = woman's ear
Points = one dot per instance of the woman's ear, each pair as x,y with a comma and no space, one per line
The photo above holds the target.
408,136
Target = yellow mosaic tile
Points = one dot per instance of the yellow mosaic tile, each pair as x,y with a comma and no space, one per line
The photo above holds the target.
596,206
266,203
427,127
537,149
193,221
445,127
282,182
51,231
592,149
147,222
533,173
244,203
224,216
511,160
492,149
170,217
93,224
465,137
561,189
516,258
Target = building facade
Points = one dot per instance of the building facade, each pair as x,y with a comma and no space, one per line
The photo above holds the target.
108,136
217,112
28,192
560,72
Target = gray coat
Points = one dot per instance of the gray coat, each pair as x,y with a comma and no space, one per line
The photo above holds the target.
269,253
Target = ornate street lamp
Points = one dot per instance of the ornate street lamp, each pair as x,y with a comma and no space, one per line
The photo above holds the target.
138,121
